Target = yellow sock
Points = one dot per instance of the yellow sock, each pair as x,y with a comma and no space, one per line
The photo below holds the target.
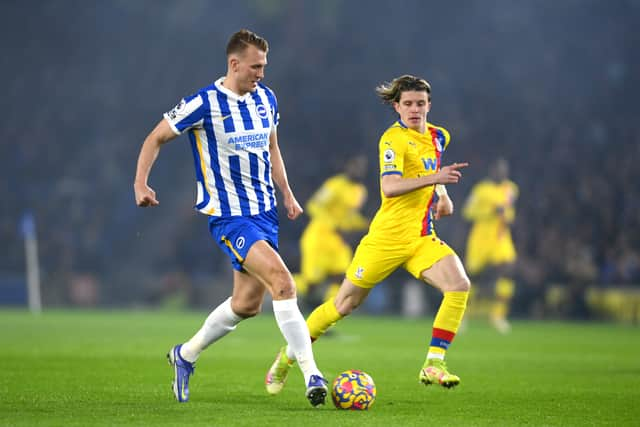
447,322
322,318
504,292
499,310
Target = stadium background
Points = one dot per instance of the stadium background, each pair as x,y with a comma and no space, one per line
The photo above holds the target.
552,86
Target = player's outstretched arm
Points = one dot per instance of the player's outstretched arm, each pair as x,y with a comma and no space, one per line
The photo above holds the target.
161,134
395,185
449,174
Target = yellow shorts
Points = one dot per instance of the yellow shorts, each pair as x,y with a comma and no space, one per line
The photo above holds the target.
484,253
376,258
323,252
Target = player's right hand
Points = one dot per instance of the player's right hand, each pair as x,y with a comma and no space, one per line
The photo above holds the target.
450,174
145,196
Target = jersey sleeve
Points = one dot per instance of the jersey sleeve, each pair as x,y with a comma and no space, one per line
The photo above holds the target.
447,138
189,113
442,137
273,104
391,151
275,113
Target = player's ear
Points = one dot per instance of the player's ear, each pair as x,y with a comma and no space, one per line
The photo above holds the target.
396,106
233,62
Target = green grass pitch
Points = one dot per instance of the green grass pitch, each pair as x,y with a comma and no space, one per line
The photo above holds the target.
82,368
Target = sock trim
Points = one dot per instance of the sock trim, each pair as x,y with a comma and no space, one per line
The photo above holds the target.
443,334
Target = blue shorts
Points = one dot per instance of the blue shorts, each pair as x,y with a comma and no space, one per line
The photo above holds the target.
236,234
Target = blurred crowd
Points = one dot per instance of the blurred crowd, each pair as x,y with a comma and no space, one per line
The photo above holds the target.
559,104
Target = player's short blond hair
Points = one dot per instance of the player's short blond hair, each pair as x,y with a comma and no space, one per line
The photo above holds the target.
244,38
390,92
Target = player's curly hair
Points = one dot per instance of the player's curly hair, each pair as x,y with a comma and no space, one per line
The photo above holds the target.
390,92
241,40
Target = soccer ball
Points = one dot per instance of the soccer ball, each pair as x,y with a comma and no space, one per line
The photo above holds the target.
353,389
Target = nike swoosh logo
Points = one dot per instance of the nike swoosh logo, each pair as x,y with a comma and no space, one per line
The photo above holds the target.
225,117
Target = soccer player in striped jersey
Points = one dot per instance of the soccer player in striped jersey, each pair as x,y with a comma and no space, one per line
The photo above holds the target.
232,129
402,233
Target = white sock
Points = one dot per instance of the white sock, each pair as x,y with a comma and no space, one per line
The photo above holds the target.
295,331
289,353
220,322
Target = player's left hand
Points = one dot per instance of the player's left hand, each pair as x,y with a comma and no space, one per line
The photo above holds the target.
145,196
444,207
294,210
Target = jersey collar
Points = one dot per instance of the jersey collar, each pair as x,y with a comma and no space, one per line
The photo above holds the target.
229,92
426,129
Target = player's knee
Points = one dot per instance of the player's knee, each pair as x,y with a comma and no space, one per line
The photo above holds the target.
283,285
459,284
246,309
463,284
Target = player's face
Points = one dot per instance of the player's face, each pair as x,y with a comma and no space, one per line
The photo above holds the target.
500,170
413,108
357,167
248,68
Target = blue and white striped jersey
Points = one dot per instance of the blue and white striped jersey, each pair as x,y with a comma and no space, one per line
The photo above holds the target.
230,142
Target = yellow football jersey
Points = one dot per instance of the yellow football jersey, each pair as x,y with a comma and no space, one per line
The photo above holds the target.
406,152
491,208
492,205
336,204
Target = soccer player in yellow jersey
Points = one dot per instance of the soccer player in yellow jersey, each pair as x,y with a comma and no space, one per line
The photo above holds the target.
402,233
490,251
333,209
